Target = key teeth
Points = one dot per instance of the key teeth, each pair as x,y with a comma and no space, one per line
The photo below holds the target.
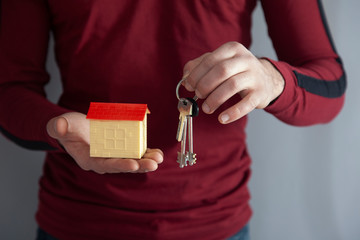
187,158
192,158
182,162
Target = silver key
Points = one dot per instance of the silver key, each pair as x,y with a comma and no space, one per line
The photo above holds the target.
191,156
185,109
182,156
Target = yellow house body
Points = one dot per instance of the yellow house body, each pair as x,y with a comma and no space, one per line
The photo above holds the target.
118,130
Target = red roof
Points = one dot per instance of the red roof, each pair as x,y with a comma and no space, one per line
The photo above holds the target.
117,111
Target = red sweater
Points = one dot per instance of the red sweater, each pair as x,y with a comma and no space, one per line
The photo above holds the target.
133,51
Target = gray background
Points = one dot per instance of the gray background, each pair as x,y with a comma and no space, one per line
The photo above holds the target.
305,182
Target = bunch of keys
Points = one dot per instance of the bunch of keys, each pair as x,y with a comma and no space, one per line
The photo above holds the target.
188,109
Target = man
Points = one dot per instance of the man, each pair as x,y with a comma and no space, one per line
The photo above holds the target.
134,51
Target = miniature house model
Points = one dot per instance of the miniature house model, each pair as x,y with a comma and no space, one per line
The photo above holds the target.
117,130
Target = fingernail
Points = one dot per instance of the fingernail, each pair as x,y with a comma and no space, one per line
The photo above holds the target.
224,118
206,108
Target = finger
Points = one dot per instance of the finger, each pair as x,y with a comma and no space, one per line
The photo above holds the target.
57,127
189,66
226,51
149,162
242,108
146,165
62,126
220,73
155,154
203,67
230,87
78,126
112,165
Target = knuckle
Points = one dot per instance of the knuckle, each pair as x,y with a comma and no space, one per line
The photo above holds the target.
234,83
235,46
245,107
209,61
89,166
99,172
190,64
201,90
251,60
252,103
237,110
85,167
223,70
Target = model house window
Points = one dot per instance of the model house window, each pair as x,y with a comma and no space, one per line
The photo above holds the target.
115,139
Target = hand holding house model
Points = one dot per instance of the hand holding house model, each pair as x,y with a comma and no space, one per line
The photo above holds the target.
118,130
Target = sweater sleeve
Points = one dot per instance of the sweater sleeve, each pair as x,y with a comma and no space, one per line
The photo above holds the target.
315,80
24,109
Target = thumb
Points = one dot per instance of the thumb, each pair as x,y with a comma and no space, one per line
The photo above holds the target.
57,127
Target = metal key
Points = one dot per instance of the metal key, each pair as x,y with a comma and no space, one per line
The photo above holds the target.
185,109
191,156
182,156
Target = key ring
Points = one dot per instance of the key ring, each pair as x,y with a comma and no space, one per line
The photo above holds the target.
188,109
177,90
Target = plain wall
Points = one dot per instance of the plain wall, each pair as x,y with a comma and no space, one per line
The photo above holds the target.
305,182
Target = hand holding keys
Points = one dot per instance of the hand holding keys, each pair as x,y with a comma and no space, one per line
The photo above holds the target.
188,108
